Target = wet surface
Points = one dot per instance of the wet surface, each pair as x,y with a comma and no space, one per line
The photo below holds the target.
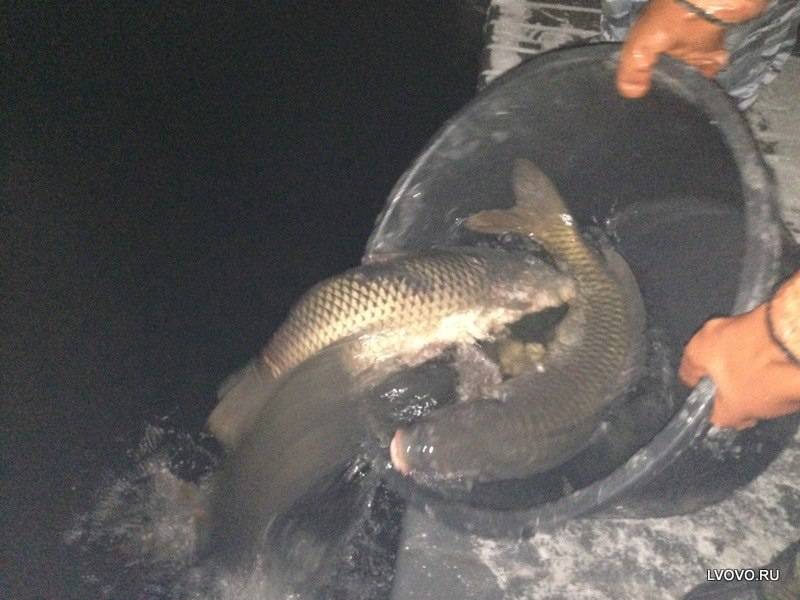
603,558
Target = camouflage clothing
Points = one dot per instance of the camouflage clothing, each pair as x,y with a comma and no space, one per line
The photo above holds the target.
758,48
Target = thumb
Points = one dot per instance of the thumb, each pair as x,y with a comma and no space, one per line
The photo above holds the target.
635,70
699,358
723,415
715,64
690,372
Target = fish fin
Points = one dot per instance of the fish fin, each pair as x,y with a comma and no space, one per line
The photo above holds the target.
539,210
241,398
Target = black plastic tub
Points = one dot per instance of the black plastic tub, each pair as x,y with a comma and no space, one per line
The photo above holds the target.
676,180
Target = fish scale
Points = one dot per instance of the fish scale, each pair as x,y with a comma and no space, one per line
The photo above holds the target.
412,294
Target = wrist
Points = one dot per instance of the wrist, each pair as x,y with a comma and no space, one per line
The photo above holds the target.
728,12
778,339
783,311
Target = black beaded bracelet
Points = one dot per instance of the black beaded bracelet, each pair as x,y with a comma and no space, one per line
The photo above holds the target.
776,340
703,14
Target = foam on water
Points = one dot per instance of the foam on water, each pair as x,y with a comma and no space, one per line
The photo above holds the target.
141,533
140,539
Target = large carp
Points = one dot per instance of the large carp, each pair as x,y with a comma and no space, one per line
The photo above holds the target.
402,312
297,412
294,414
540,418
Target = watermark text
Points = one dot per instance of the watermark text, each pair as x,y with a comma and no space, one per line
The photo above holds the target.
743,574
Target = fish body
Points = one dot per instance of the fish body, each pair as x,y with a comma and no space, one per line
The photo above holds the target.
439,297
399,312
542,417
296,414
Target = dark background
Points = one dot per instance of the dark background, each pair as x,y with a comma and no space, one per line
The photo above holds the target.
174,177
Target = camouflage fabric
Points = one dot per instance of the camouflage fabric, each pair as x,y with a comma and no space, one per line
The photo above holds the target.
787,587
758,48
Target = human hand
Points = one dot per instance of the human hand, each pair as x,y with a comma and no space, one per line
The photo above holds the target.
754,378
669,27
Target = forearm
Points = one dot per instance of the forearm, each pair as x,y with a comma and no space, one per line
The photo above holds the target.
784,389
784,309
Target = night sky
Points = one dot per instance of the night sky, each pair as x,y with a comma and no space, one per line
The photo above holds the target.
175,176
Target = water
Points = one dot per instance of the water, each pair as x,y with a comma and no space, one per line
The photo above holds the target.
176,177
141,538
686,254
146,534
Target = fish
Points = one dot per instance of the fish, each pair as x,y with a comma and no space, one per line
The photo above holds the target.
540,418
399,312
297,414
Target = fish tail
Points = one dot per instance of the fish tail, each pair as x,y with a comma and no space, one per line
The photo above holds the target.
539,212
241,398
